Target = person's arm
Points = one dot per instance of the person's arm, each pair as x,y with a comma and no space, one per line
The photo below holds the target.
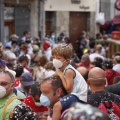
57,108
67,80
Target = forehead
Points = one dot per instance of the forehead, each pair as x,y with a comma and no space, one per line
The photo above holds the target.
58,56
4,77
46,86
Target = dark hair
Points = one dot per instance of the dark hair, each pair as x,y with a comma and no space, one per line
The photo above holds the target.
92,44
99,59
43,60
49,66
9,74
116,79
35,89
117,54
19,70
14,41
96,64
55,82
108,63
25,32
9,65
22,58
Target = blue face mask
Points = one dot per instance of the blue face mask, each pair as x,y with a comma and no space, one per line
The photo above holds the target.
44,100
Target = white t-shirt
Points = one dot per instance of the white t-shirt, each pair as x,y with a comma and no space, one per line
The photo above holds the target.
116,68
94,55
80,86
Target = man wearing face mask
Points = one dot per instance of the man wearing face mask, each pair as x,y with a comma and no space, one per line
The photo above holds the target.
54,94
33,99
8,99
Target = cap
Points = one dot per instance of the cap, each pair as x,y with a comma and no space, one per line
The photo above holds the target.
35,48
27,79
8,45
14,36
36,37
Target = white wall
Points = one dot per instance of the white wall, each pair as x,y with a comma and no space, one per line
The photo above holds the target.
66,5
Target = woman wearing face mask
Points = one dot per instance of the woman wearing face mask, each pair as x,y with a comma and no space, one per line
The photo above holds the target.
33,100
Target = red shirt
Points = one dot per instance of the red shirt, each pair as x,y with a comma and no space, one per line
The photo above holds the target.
16,82
29,101
110,75
87,67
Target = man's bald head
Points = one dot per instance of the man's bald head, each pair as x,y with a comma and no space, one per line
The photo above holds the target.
83,71
117,59
96,77
96,72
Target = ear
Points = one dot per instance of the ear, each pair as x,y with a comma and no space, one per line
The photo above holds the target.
88,82
58,92
105,82
12,85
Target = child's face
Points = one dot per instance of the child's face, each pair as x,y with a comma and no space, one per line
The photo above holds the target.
58,57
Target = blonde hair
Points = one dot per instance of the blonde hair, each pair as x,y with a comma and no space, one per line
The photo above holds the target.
62,50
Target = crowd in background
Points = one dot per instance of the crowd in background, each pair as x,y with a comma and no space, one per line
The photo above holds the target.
80,73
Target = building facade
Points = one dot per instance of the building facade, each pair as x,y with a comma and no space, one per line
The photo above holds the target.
68,16
18,16
71,17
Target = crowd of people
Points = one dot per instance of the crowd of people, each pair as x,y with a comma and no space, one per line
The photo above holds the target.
51,80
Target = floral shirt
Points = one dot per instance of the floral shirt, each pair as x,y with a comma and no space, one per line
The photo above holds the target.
99,96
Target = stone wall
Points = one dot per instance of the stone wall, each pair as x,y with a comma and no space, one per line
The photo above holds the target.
62,22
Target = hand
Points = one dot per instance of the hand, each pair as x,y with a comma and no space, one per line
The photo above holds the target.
59,72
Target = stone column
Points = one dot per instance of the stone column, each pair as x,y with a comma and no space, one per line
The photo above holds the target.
62,22
34,17
94,28
1,21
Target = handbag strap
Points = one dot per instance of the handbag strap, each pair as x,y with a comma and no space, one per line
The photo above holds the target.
5,107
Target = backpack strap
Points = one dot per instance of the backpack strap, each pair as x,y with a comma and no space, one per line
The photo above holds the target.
34,57
7,104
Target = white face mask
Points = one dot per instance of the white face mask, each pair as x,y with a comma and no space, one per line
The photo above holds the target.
57,63
2,91
38,104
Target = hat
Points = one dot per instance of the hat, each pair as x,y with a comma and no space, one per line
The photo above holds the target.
8,45
35,48
36,37
27,79
85,112
14,36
